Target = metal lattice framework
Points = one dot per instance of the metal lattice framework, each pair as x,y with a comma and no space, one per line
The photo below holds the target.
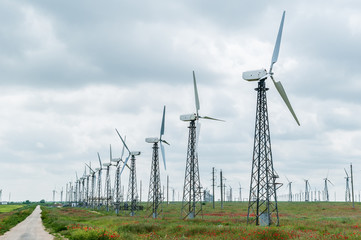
155,190
191,203
262,206
92,193
132,196
108,188
117,189
347,192
99,188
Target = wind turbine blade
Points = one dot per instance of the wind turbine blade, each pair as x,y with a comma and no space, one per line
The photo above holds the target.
165,142
110,151
125,145
276,50
163,155
196,93
125,164
287,179
283,94
162,126
346,172
210,118
330,182
89,167
100,161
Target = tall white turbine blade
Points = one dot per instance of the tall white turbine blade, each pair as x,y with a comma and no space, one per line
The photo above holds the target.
210,118
110,153
163,154
162,126
125,164
196,93
100,161
276,50
330,182
283,94
121,156
125,145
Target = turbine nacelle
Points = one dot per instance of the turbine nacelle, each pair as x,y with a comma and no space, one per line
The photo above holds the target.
97,169
254,75
135,153
188,117
152,140
106,164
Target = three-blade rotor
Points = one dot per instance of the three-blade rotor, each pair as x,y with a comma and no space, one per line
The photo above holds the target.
197,104
125,145
262,74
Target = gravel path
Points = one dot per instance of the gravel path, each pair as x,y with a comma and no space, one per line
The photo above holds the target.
30,229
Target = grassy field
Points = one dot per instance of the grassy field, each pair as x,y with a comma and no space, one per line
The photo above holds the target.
314,220
10,215
9,208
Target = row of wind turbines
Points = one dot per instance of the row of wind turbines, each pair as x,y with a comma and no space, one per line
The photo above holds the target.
262,207
309,195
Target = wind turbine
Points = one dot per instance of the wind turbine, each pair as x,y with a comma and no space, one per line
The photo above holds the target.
326,187
192,196
155,193
117,182
77,186
262,207
348,192
289,190
307,190
108,186
93,182
99,189
132,184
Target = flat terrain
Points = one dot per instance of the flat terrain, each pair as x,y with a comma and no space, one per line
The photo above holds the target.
312,220
30,229
9,208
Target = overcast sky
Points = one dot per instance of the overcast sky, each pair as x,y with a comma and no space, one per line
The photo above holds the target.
73,71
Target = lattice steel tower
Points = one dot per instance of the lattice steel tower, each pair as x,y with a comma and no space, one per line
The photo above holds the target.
262,206
99,187
191,203
117,181
348,192
132,197
192,199
155,191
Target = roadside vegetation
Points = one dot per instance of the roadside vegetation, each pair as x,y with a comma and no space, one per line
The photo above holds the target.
11,215
313,220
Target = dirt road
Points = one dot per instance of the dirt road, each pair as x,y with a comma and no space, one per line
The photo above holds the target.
30,229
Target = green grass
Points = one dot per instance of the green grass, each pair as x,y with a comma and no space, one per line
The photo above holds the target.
11,215
9,208
312,220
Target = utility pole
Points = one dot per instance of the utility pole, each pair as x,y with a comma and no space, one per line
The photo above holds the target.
213,179
221,189
353,196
